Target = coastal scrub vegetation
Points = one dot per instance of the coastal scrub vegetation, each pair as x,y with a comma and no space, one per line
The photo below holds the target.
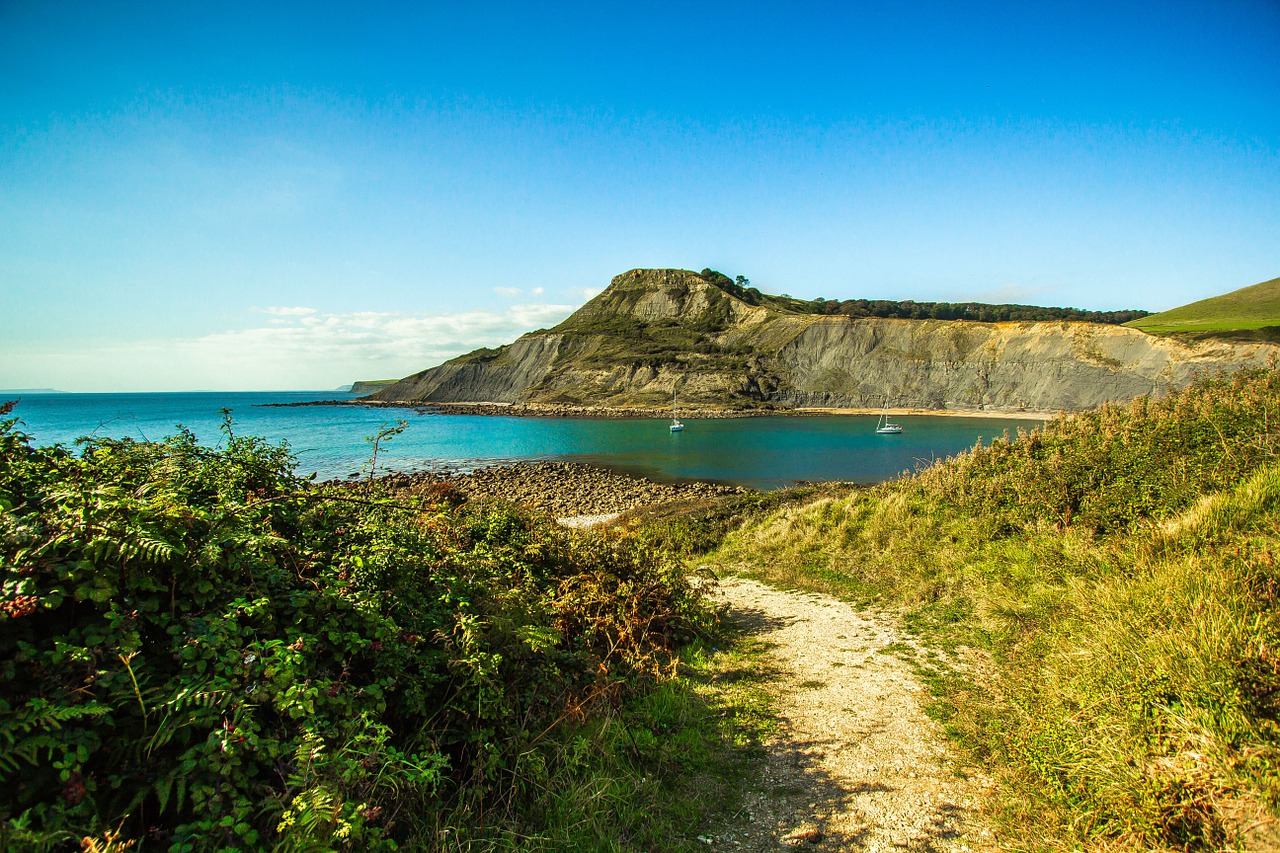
201,650
621,339
907,309
1104,592
693,527
981,312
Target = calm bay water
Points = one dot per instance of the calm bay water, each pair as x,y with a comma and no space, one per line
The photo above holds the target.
330,440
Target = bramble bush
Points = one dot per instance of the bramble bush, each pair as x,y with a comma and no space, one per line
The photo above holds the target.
200,649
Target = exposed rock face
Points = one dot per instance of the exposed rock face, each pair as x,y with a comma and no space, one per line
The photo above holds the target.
503,377
994,366
653,331
369,386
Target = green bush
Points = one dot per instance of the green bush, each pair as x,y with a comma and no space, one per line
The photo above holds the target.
201,650
1114,468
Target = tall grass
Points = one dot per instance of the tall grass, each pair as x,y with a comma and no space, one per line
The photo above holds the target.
1106,587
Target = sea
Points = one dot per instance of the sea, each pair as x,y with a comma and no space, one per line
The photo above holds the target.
333,442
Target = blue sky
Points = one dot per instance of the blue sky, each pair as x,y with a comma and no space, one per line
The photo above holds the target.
246,196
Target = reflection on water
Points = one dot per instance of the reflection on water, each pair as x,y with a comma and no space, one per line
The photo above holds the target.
331,440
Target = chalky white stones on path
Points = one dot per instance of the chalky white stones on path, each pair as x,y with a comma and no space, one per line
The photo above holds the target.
857,764
584,521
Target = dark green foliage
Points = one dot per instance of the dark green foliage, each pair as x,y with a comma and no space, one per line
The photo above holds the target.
199,649
740,288
1110,469
980,311
621,339
737,288
907,309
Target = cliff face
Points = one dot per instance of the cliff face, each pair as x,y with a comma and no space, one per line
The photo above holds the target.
655,330
369,386
994,366
498,376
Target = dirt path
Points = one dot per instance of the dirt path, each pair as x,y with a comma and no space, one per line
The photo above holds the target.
857,764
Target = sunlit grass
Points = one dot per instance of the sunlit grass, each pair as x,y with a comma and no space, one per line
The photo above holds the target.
1253,307
1101,595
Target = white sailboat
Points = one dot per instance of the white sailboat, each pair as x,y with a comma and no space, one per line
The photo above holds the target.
884,426
676,426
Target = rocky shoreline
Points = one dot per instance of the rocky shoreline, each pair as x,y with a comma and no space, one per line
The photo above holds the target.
538,410
566,410
563,490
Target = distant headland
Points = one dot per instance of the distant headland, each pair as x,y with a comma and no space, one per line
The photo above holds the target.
366,386
716,344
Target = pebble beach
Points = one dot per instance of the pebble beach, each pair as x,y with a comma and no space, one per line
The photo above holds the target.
580,495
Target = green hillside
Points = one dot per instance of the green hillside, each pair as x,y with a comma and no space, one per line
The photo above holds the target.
1249,309
1100,598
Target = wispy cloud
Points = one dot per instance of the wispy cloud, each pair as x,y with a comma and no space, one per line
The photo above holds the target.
413,341
294,348
513,292
1014,294
287,311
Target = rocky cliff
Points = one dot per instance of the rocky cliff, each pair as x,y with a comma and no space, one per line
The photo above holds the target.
655,331
369,386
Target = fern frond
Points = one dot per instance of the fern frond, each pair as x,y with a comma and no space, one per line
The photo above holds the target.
183,711
28,733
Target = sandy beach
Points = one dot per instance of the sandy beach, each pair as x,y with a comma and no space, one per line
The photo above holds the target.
940,413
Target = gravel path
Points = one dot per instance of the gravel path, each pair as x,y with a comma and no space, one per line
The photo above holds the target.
857,764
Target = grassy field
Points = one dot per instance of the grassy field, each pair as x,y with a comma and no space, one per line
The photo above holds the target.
1103,595
1254,307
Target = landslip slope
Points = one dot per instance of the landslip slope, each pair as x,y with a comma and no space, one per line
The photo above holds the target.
655,332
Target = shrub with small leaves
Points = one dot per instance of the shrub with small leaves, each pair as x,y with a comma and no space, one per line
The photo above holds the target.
201,650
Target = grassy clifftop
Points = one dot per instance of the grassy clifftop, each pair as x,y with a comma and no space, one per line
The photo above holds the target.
1106,593
1250,308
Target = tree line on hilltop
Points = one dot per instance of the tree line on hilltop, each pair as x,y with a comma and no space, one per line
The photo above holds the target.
908,309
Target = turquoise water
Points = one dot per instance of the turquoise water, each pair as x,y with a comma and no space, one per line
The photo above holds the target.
330,440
